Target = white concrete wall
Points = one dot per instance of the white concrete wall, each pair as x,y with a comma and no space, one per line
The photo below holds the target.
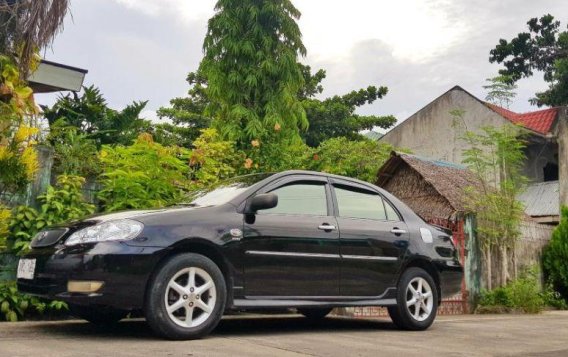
435,133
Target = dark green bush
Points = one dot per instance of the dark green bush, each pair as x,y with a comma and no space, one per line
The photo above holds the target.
555,257
521,295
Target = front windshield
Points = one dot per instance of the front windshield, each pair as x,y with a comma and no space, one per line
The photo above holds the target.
225,191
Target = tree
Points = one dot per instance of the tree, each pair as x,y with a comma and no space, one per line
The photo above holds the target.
251,51
335,117
496,156
27,26
555,256
360,159
91,116
500,90
544,49
187,114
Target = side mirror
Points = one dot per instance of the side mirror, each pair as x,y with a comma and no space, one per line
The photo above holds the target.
261,201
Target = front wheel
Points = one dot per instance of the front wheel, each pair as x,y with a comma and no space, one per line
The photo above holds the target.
417,300
186,297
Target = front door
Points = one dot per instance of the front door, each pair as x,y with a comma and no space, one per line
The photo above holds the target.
373,241
292,250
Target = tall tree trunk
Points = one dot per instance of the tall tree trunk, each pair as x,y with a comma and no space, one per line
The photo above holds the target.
488,263
515,272
504,265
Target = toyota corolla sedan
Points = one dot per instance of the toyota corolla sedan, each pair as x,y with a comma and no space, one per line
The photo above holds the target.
295,239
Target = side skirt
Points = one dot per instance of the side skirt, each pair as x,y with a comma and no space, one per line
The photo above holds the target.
266,302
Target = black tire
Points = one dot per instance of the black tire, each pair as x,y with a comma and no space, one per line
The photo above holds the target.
404,317
315,313
102,316
161,321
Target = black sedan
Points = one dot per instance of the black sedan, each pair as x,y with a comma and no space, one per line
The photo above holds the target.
296,239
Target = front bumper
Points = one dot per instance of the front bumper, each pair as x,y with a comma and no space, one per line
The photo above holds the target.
124,269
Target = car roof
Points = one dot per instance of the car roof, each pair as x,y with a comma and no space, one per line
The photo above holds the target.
320,174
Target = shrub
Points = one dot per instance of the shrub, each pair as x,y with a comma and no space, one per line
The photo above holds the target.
59,204
4,222
212,159
143,175
15,306
358,159
521,295
555,257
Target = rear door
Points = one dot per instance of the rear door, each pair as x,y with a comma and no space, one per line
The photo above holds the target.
373,240
292,250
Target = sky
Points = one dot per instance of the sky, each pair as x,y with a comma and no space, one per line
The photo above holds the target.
143,49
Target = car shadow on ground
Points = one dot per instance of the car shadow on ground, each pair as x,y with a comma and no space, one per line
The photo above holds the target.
233,326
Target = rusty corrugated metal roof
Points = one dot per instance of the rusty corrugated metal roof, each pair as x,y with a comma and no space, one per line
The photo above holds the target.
541,199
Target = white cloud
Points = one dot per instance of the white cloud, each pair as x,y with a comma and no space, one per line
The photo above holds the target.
185,10
414,29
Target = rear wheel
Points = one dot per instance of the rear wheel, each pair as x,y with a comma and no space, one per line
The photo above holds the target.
417,300
186,297
315,313
102,316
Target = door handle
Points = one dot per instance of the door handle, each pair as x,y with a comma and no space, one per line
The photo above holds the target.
397,231
326,227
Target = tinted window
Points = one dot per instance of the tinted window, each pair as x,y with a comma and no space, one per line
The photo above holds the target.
302,198
359,204
391,212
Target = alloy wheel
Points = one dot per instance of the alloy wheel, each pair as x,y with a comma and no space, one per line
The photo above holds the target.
419,299
190,297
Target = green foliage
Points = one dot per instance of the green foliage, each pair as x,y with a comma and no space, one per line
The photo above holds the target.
212,159
521,295
359,159
5,215
91,116
15,306
555,257
186,115
143,175
500,90
250,62
59,204
542,49
335,116
75,153
18,159
496,156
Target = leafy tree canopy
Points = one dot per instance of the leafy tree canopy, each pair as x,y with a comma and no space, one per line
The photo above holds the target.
186,114
335,117
544,48
90,115
500,90
251,51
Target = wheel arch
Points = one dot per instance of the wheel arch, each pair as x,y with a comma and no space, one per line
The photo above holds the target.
202,247
427,265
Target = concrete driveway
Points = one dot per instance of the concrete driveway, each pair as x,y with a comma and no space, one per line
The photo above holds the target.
467,335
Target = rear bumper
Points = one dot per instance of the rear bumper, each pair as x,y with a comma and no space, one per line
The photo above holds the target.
451,277
124,270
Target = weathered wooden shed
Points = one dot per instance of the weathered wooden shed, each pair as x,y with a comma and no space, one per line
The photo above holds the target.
436,190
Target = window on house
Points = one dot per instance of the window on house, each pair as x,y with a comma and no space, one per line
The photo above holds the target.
550,172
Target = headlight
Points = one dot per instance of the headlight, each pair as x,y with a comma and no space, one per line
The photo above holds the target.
122,229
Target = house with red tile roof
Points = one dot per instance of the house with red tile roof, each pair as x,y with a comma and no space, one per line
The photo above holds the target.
436,131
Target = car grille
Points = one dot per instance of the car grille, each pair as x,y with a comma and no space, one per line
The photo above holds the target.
47,238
